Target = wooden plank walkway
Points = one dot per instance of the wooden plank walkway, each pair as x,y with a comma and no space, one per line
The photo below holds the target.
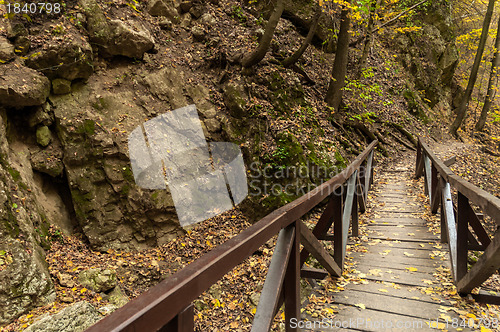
395,279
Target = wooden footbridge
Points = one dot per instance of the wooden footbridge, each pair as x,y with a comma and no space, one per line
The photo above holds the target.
396,273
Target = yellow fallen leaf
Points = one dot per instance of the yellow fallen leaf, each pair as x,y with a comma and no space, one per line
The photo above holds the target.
360,305
383,290
408,254
436,325
484,329
412,269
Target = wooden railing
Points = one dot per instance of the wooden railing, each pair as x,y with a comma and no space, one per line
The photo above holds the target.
168,305
461,227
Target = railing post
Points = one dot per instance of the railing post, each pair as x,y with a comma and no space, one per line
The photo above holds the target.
183,322
462,235
291,287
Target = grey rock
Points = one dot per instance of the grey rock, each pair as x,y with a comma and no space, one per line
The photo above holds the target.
21,86
66,280
107,309
16,30
208,112
22,45
74,318
448,62
235,98
167,8
70,59
197,11
186,6
25,282
117,297
40,115
43,136
166,24
115,37
208,19
213,125
6,50
198,33
254,298
185,21
67,299
98,280
60,86
48,161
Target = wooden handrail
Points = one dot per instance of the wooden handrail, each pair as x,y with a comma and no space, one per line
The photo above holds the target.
162,304
439,180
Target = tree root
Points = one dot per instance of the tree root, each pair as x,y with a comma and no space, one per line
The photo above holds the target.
399,140
364,130
405,133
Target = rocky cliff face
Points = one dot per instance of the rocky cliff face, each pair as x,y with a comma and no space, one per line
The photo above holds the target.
23,231
431,57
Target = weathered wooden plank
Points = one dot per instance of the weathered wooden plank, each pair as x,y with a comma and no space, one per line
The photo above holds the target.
274,280
427,246
391,252
371,320
381,302
406,261
395,266
409,292
315,248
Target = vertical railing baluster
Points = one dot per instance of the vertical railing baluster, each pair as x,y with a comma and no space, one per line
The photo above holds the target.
291,287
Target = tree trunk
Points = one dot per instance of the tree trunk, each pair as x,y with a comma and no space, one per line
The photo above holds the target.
495,63
258,54
374,4
312,30
462,108
339,69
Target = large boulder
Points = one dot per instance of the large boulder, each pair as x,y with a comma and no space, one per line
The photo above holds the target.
21,86
116,37
69,58
6,50
167,8
25,279
74,318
